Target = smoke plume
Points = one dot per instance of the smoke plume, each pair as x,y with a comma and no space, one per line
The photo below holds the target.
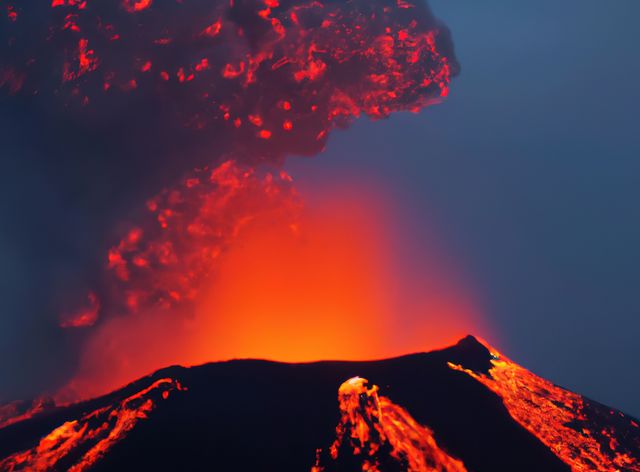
155,115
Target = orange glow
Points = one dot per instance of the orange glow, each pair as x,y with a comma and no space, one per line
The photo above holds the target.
301,293
559,418
324,285
17,411
369,422
350,58
94,434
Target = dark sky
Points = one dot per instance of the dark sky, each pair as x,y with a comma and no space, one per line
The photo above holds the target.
530,173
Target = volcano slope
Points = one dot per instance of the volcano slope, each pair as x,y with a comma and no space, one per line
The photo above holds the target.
465,407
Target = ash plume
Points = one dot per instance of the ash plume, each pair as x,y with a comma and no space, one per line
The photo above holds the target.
131,106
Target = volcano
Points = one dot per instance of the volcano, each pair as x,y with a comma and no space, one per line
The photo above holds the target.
466,407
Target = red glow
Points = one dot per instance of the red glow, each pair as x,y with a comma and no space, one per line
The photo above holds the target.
278,78
213,29
93,434
369,422
323,285
86,62
133,6
349,58
86,316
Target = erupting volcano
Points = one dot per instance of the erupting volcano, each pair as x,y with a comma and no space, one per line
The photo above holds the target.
191,104
460,408
174,119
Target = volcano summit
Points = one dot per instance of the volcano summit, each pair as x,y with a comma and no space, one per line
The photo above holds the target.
465,407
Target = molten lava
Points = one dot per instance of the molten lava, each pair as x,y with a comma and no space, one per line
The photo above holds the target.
563,420
182,418
372,426
20,410
89,438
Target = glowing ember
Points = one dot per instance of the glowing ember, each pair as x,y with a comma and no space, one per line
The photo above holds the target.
275,293
163,262
302,67
133,6
372,426
278,76
244,82
89,438
86,316
563,420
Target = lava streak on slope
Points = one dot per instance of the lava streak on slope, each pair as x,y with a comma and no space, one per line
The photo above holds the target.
564,421
440,419
77,445
378,435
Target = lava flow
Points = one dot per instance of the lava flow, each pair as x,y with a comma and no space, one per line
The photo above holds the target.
584,434
449,419
381,436
77,445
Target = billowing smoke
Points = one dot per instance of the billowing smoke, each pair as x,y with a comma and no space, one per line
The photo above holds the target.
157,113
275,77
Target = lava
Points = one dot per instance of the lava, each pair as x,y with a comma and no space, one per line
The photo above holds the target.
157,422
563,420
372,426
20,410
77,445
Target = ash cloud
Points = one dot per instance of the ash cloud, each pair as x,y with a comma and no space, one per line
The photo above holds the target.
105,104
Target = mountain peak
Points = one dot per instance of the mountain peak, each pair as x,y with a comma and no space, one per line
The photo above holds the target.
470,340
471,353
461,406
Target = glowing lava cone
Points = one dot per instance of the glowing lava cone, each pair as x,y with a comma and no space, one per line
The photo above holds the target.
374,434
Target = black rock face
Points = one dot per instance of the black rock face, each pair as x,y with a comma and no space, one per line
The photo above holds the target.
257,415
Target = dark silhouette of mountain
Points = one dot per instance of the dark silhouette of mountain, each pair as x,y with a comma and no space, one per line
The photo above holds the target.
259,415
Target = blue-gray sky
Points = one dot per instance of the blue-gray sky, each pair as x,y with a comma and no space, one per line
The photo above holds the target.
530,172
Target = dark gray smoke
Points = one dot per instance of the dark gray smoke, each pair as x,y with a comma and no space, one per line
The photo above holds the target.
106,103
